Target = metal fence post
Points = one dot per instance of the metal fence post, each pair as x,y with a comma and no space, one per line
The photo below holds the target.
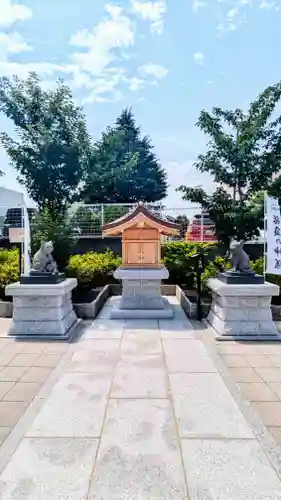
202,227
102,216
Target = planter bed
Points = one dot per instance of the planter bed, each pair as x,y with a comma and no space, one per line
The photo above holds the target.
88,309
85,296
88,304
91,303
6,308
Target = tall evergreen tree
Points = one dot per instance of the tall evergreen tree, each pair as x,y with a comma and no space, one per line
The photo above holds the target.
123,167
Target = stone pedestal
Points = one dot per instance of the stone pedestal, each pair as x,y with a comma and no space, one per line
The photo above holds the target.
43,311
141,293
242,312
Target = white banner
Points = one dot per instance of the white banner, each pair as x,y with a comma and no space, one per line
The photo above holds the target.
273,236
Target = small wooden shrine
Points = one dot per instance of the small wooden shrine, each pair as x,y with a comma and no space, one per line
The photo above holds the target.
141,232
141,271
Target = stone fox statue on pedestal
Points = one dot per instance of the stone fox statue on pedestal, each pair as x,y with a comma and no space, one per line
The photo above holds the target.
238,258
43,260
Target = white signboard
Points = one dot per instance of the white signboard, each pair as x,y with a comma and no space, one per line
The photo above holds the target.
16,234
273,236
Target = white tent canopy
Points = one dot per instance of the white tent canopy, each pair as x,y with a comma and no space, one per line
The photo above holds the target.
14,199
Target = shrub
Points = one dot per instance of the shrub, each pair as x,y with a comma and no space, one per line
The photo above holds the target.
176,255
211,271
9,269
93,269
258,267
59,230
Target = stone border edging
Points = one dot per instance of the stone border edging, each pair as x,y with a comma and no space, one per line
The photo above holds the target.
90,310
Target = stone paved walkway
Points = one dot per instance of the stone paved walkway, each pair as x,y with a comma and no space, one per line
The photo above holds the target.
24,368
256,368
140,411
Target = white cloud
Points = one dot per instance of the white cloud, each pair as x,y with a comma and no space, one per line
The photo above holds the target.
93,67
233,14
93,97
12,12
235,17
199,58
115,32
81,80
155,70
198,4
136,83
264,4
152,11
227,27
102,46
44,69
12,44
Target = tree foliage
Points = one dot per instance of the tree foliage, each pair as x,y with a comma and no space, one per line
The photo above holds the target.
51,148
244,158
59,229
184,222
123,167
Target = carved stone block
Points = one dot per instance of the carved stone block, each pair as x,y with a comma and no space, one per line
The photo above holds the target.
42,310
241,311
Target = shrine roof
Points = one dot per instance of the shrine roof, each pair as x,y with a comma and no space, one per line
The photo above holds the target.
141,210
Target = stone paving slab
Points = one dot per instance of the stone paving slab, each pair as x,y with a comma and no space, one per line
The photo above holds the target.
140,376
229,470
256,368
187,356
205,408
176,329
141,342
24,368
95,356
49,469
75,407
105,329
141,324
139,457
118,393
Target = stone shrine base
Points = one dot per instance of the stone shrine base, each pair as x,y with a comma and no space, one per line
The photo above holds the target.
43,311
141,294
165,313
242,312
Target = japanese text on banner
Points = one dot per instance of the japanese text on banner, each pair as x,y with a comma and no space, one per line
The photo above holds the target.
273,236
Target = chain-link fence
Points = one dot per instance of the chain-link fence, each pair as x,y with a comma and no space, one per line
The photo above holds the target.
87,220
13,218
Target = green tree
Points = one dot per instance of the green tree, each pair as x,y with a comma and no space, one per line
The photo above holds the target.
59,230
52,147
184,222
123,167
244,158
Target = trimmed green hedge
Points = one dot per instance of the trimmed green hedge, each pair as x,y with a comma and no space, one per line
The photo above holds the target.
258,267
177,257
93,269
96,269
9,269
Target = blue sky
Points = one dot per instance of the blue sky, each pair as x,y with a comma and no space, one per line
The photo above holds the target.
168,59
